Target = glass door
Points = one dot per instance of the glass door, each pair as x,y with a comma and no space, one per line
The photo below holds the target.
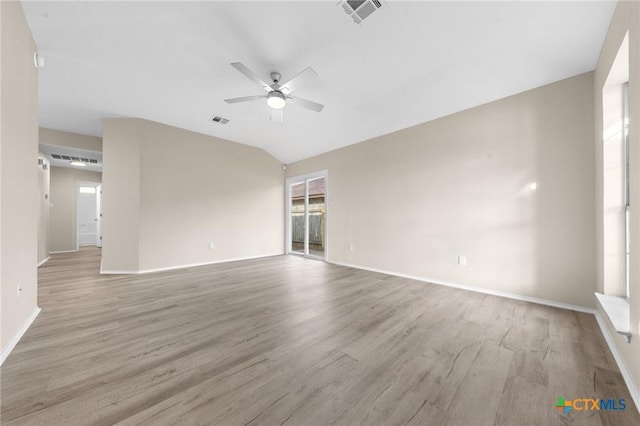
316,217
297,217
307,215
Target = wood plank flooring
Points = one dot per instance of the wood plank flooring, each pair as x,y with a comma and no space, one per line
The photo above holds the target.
286,340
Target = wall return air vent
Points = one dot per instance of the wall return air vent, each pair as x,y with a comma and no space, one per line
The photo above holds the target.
359,10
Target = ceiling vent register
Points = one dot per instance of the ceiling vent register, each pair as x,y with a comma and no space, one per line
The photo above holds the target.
220,120
359,10
72,158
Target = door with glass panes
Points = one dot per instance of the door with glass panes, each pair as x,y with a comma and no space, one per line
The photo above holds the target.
307,215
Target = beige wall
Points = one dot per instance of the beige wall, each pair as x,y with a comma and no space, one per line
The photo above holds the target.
19,169
168,192
72,140
412,201
43,209
626,18
4,350
120,195
62,230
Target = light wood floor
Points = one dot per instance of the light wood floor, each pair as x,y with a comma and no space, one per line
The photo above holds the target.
286,340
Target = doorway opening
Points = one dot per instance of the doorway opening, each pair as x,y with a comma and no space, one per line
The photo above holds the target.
88,214
307,215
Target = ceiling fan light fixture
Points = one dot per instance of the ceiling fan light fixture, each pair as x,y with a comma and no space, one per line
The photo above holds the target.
276,100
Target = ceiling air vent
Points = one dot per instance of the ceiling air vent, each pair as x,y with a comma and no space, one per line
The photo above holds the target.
72,158
220,120
359,10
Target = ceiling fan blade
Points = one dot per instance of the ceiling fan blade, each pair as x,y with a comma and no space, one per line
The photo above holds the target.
245,99
251,75
299,80
276,115
305,103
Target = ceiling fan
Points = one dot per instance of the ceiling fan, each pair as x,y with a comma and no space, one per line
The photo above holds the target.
278,95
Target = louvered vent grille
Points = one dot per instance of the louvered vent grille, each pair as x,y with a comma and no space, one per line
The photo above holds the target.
359,10
220,120
72,158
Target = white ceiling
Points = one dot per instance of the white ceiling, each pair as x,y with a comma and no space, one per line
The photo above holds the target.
408,63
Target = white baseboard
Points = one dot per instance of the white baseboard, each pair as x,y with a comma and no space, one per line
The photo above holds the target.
477,289
43,261
16,338
63,251
626,374
116,272
190,265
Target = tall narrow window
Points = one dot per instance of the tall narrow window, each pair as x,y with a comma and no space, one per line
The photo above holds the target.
627,192
616,202
615,175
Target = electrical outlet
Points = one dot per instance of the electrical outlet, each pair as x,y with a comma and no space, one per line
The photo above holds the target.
19,289
351,248
211,245
462,260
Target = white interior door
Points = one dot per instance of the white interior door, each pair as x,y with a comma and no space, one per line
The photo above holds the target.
86,214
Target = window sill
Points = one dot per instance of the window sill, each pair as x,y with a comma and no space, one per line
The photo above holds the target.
617,310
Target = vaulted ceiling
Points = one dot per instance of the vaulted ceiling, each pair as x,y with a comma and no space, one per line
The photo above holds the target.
407,63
